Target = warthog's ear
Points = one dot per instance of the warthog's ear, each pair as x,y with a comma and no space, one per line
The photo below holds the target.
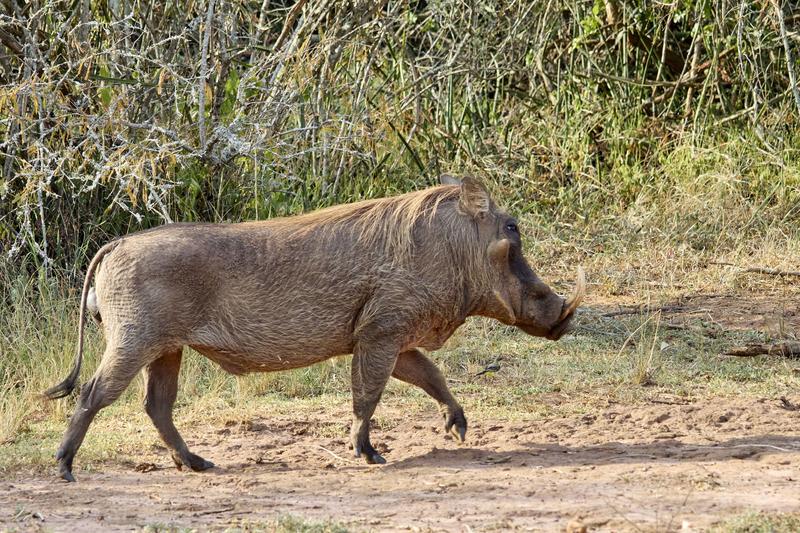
475,199
447,179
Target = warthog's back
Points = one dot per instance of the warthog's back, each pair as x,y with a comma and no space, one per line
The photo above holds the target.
254,296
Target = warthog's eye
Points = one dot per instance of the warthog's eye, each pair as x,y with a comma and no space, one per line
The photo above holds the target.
512,227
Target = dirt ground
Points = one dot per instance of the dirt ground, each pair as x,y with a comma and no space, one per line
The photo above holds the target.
651,467
663,465
773,314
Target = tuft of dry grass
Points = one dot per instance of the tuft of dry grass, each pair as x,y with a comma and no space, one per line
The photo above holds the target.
760,522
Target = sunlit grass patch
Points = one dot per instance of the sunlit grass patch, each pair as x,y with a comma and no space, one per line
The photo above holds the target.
289,524
761,522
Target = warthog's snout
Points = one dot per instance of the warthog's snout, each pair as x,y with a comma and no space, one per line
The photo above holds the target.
571,304
551,316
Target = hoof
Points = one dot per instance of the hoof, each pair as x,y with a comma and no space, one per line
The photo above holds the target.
375,459
203,465
370,454
460,433
65,467
195,462
456,424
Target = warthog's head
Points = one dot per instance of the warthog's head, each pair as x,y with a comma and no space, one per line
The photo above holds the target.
514,293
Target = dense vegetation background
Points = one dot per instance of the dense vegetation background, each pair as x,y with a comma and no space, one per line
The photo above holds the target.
676,117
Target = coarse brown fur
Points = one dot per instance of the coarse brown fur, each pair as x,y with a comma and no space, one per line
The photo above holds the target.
377,279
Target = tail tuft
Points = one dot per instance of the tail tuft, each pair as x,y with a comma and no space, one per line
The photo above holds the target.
66,387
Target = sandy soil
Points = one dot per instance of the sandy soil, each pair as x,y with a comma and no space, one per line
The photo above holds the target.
650,467
661,466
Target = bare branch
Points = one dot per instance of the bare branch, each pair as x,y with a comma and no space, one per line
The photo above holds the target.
789,58
201,90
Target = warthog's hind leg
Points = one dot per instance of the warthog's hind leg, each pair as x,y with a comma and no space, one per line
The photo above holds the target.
162,389
109,380
371,368
415,368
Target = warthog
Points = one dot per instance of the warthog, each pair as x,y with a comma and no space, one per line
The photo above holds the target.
378,279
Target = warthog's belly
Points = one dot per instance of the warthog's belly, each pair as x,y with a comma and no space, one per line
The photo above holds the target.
239,363
267,349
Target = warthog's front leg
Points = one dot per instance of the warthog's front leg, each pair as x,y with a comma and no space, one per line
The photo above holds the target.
415,368
371,367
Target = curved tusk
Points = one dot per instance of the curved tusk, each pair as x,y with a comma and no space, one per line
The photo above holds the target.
576,297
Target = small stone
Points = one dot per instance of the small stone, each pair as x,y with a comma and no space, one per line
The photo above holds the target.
576,526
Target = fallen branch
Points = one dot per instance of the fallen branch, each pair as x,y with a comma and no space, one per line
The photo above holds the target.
335,456
789,406
760,270
773,271
645,310
770,446
786,349
216,511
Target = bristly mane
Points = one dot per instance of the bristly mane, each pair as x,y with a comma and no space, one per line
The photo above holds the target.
387,222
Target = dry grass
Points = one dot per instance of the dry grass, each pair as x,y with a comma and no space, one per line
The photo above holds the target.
234,110
756,522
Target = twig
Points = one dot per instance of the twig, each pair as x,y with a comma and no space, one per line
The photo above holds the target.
786,349
216,511
789,59
770,446
669,402
335,456
754,108
772,271
201,97
687,106
687,82
759,270
290,19
643,310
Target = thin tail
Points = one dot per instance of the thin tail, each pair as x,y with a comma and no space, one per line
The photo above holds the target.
66,387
